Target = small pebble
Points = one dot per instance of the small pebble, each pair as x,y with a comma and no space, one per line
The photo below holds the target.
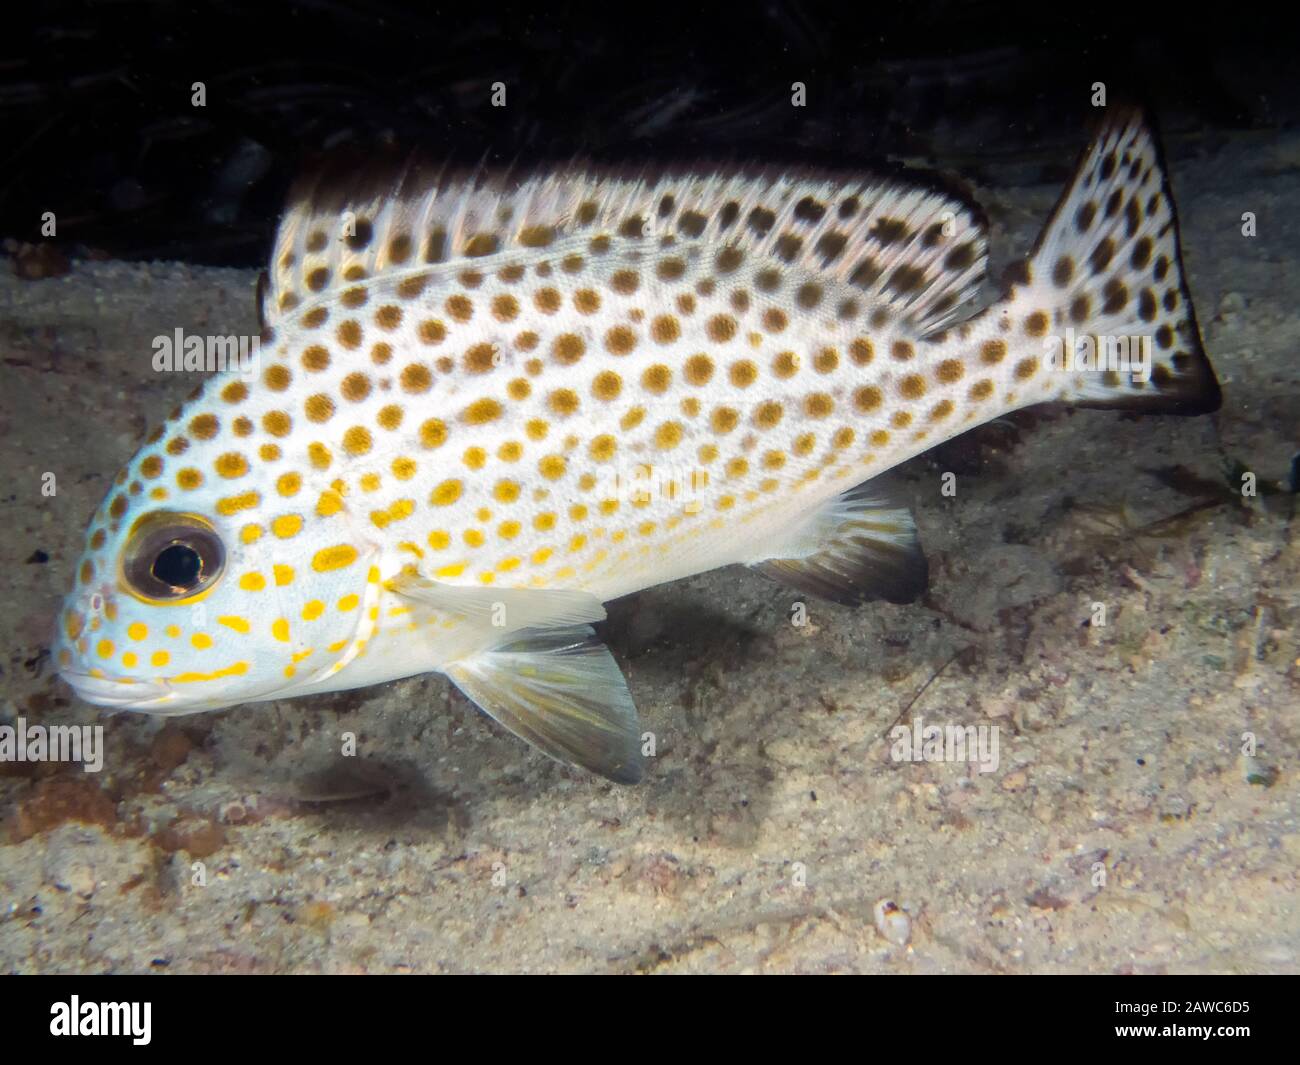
892,923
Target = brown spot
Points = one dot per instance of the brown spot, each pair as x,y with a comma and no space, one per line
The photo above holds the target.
721,328
889,230
625,282
349,334
788,247
761,220
867,398
1063,271
620,340
416,377
808,295
431,331
993,352
665,329
950,370
480,358
1036,324
316,358
1102,255
670,269
729,260
568,348
481,244
355,387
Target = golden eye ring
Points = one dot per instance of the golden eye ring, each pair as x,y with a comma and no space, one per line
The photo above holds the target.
171,559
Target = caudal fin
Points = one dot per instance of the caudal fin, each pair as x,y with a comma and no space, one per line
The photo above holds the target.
1105,284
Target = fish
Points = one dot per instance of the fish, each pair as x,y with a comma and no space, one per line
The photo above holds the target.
488,402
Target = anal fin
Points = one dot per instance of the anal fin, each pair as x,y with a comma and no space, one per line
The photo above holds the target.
561,690
856,548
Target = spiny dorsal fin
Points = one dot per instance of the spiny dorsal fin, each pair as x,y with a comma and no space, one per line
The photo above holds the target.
920,251
856,548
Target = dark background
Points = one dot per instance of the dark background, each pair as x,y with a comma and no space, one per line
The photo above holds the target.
96,122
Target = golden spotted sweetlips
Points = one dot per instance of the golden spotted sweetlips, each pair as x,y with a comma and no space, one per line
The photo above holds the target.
489,403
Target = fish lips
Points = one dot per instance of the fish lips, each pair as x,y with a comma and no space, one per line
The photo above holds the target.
123,693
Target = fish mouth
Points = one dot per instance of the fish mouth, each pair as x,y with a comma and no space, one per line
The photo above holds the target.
120,693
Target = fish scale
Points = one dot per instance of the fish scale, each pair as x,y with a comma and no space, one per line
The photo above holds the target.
487,405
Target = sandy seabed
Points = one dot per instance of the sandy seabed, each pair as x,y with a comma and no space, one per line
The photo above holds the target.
1123,830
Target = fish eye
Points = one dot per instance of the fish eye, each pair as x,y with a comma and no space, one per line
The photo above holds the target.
171,558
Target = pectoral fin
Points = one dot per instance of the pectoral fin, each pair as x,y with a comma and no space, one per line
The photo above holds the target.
503,608
856,548
562,691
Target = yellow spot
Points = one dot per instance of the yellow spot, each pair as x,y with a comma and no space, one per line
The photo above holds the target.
234,504
552,467
668,436
370,482
329,503
138,630
331,558
233,621
474,537
541,555
287,526
159,658
403,469
283,574
173,631
482,410
349,602
280,629
238,669
451,571
288,484
201,641
252,582
446,493
250,534
129,659
439,539
314,609
105,649
544,522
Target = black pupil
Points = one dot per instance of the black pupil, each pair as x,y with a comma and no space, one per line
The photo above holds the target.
178,565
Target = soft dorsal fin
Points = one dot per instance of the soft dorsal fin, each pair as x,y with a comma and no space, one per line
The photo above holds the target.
921,251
